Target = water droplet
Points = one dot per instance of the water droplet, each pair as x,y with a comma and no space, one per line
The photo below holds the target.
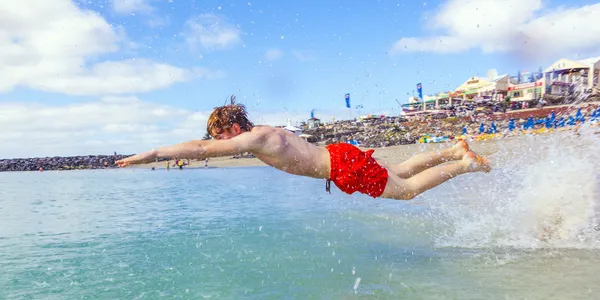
356,283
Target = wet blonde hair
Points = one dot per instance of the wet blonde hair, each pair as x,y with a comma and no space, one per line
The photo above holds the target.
224,117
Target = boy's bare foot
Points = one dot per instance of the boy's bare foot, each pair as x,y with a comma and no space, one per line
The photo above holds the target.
476,162
459,150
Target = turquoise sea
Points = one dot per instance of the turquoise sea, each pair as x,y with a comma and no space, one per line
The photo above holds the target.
528,230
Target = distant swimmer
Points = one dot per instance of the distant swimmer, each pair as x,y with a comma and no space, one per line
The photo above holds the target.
350,168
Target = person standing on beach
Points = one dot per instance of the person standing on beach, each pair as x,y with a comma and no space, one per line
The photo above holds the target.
350,168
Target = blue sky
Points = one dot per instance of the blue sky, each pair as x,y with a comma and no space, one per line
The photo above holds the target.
163,65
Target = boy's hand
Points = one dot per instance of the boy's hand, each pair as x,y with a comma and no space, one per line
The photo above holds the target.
145,157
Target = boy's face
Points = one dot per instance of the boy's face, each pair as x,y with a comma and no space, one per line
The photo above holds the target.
229,132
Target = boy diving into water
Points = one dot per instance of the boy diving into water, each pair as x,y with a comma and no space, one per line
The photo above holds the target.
350,168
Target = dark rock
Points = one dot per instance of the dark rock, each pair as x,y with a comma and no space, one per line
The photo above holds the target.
60,163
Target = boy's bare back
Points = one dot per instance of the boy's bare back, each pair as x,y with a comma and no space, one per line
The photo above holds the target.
286,151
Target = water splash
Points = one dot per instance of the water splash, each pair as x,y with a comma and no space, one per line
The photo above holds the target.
543,193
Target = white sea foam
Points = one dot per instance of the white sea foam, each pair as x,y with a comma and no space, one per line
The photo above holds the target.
544,192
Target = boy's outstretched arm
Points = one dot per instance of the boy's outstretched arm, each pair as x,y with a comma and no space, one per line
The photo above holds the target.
246,142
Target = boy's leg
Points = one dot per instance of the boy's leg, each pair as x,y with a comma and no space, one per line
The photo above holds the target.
423,161
406,189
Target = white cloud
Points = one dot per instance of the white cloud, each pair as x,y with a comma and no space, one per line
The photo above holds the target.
303,55
49,45
153,18
211,32
131,6
120,77
273,54
523,27
124,124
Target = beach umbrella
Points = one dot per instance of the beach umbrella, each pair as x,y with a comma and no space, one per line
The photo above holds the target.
464,130
481,128
571,121
579,115
596,114
511,124
493,128
549,122
529,123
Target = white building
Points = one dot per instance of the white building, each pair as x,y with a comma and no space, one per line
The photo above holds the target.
293,129
313,122
493,88
567,76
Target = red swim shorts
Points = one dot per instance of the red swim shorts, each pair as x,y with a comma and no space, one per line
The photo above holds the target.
354,170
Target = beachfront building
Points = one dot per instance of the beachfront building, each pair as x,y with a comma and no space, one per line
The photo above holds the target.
567,76
313,122
415,104
292,128
479,89
526,87
371,117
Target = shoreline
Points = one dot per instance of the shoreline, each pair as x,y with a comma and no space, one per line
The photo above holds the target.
393,142
389,155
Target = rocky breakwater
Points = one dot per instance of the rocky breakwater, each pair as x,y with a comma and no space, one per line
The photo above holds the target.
381,132
60,163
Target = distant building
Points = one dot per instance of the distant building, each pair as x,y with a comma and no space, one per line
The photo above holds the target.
482,89
371,117
415,104
566,76
474,89
563,77
527,91
313,123
293,129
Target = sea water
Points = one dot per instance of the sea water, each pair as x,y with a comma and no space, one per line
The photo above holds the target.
527,230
